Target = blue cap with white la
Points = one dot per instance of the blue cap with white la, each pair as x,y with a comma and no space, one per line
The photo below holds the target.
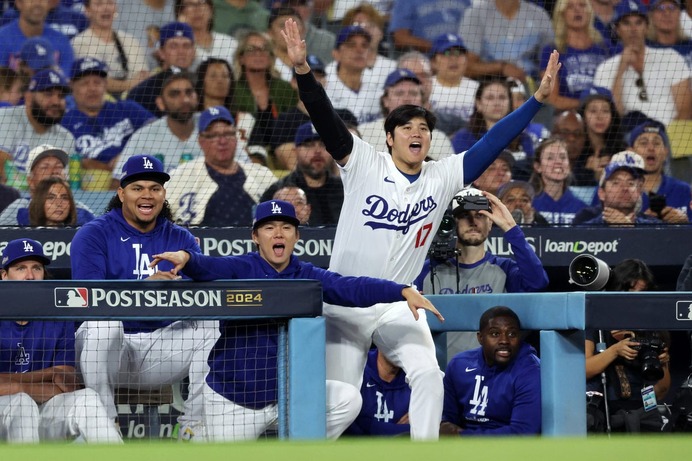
20,249
143,167
88,66
594,92
173,30
651,126
400,75
48,79
274,210
625,160
38,54
214,114
306,133
445,42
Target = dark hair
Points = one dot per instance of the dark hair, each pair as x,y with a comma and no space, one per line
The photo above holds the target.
115,203
178,10
613,136
7,78
494,312
37,205
404,114
477,121
184,75
626,273
201,75
536,180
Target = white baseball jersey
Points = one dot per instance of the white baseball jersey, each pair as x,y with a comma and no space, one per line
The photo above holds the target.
387,223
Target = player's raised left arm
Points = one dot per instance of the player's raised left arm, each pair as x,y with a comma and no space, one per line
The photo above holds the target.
482,154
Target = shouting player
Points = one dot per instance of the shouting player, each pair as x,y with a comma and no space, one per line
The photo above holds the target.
119,246
393,205
241,400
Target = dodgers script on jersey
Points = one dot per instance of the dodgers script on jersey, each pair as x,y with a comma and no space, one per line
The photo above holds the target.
388,213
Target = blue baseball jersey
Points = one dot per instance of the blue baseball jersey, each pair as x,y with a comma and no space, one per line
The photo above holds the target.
578,67
561,211
383,403
15,38
62,19
492,400
103,137
108,248
677,193
243,361
35,346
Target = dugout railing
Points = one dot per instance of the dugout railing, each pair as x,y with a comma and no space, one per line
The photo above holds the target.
561,319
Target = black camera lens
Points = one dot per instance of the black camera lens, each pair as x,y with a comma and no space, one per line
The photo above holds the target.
588,272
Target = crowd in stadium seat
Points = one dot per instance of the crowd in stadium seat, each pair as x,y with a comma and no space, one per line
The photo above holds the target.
86,85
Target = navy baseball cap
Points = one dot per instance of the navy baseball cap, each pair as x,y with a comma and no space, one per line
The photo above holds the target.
400,75
19,249
175,29
625,160
349,31
594,92
88,66
274,210
445,42
629,7
316,64
38,54
47,79
649,127
214,114
143,167
305,133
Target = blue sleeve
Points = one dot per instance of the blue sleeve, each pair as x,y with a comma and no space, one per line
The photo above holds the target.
403,16
84,216
65,347
526,409
482,154
420,280
526,273
88,258
354,291
8,16
205,268
451,412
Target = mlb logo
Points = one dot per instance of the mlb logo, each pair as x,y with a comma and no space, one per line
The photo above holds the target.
683,310
71,297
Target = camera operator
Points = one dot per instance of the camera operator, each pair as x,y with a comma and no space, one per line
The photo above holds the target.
635,362
663,197
474,270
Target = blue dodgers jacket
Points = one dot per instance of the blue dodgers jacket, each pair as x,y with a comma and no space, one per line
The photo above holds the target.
243,361
383,403
492,400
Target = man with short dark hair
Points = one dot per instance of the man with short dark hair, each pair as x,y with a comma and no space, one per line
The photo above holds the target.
495,389
177,52
40,394
312,173
37,122
120,246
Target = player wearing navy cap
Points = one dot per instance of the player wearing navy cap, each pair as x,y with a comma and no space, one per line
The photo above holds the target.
40,396
243,362
119,246
393,205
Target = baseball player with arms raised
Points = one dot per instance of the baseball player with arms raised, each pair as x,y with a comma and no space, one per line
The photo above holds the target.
40,396
242,380
120,246
393,205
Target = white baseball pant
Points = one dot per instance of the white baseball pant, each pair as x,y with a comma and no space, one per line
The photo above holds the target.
226,421
407,343
18,419
109,358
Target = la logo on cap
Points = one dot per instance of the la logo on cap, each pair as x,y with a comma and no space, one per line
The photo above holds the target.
28,247
178,33
54,78
213,111
276,208
147,164
41,51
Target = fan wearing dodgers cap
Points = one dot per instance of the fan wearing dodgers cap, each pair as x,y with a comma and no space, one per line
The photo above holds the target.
36,122
313,174
401,87
242,371
177,53
620,192
393,204
216,189
120,245
32,23
44,161
40,396
651,142
101,128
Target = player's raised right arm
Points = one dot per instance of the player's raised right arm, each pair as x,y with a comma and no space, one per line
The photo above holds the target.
333,131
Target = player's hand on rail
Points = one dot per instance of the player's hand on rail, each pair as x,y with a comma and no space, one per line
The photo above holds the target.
417,301
177,258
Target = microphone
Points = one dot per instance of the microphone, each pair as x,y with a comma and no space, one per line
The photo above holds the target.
518,216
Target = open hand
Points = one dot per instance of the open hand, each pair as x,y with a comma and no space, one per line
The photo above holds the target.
295,46
549,77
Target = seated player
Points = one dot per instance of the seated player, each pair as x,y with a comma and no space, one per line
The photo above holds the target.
241,397
40,394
